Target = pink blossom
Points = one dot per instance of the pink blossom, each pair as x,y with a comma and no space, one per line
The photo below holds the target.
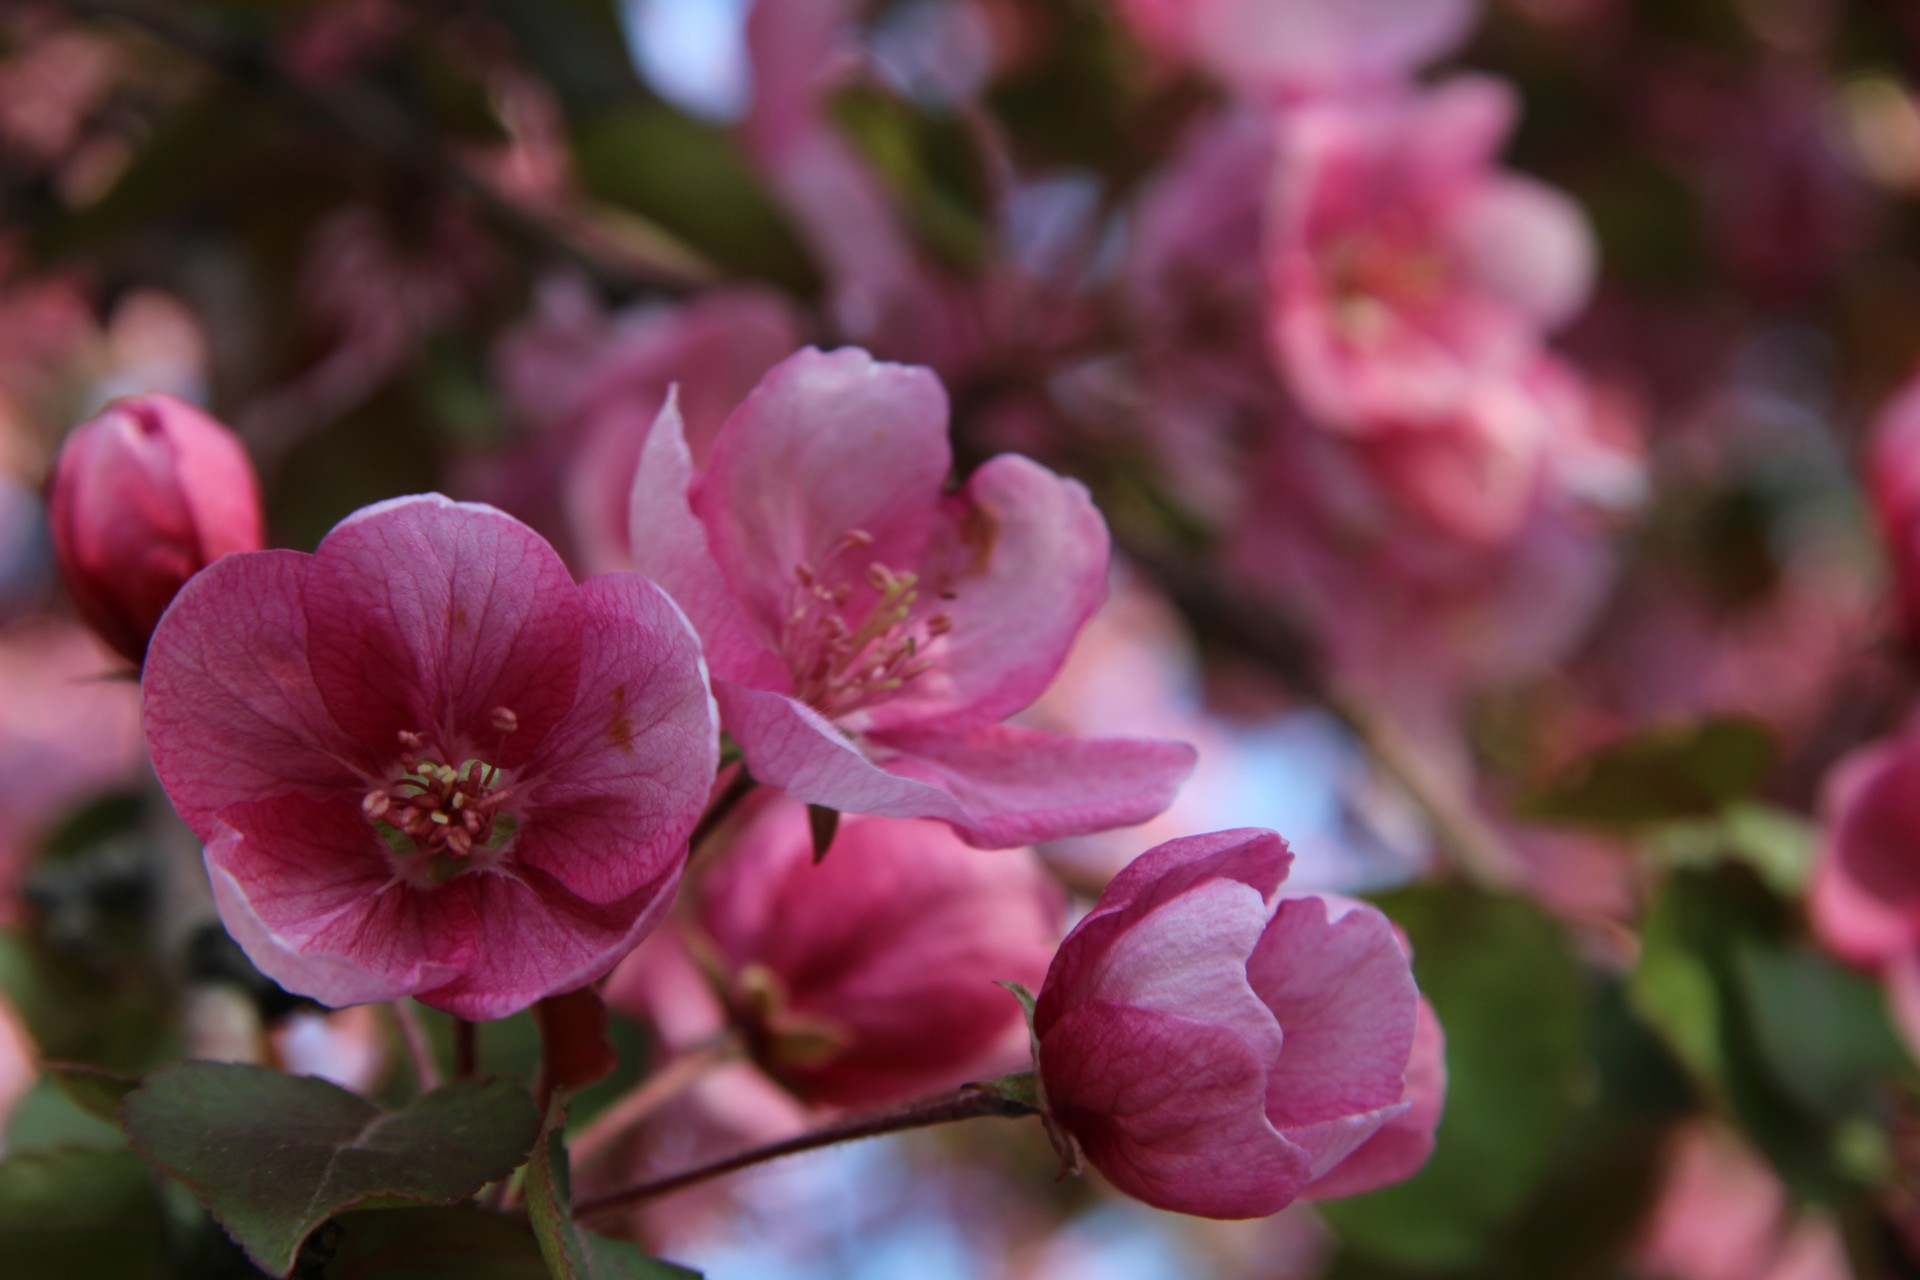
67,735
1405,269
1304,44
1220,1051
1893,483
590,385
18,1065
1865,894
870,977
868,632
143,497
426,763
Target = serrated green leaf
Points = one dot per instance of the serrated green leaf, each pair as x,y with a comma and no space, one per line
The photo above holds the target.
460,1242
273,1156
76,1212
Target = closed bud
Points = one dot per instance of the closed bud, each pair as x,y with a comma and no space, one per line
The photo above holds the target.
143,497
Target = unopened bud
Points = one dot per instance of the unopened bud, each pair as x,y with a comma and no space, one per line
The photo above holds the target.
143,497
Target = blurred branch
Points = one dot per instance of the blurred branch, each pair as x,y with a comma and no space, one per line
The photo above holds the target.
1223,611
621,260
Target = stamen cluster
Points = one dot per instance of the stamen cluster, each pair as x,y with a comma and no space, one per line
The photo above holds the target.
838,667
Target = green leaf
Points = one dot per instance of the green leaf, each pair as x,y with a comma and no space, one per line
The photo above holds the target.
1823,1029
1514,1002
572,1252
461,1242
1775,844
97,1092
273,1156
1668,774
70,1213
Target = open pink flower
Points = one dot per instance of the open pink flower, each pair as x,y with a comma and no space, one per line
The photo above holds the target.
1316,45
868,632
1220,1051
1405,268
870,977
426,763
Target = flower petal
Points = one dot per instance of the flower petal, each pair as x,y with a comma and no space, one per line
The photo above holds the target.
1021,786
789,745
228,700
827,444
1022,554
1170,1110
670,546
425,615
1344,994
1401,1146
623,777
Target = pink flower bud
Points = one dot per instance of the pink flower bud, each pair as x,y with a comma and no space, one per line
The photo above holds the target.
1218,1050
144,496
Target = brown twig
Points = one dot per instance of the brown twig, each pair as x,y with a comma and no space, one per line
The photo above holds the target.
426,1072
965,1104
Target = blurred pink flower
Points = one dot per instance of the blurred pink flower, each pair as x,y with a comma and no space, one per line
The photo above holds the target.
590,385
350,1047
867,632
1405,268
426,763
1864,897
143,497
1319,45
870,977
1220,1051
1723,1215
69,730
19,1067
1893,484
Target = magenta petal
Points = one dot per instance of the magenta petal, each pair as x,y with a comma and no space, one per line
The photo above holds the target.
1169,1109
527,938
1023,554
827,444
789,745
1402,1145
623,777
425,615
1247,856
1021,786
331,979
669,545
229,704
1865,894
1343,992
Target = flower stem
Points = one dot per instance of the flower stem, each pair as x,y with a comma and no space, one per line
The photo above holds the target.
967,1103
722,807
466,1049
426,1072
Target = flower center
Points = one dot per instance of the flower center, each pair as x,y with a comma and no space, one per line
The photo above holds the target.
443,809
841,664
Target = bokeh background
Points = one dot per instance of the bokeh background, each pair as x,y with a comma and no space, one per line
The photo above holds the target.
1564,692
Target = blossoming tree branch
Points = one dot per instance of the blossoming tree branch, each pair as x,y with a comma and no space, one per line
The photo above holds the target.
619,620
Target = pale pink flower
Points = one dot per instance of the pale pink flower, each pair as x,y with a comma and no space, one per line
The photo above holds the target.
1404,267
19,1067
426,763
1304,45
1221,1051
143,497
870,977
868,632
